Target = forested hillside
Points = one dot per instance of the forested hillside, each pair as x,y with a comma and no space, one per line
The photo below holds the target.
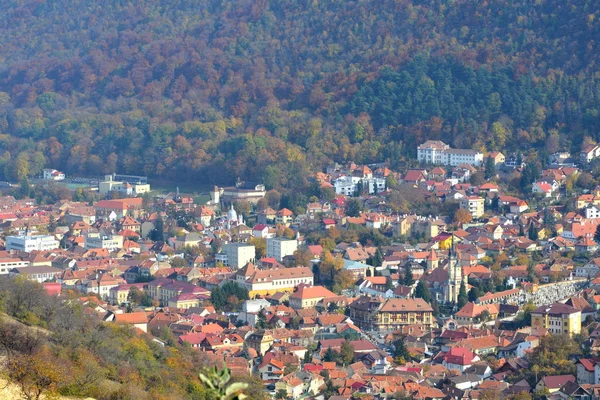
214,89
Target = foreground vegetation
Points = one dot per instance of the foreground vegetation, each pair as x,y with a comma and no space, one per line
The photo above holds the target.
53,346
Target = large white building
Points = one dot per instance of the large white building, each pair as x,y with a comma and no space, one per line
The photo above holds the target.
6,264
30,243
278,248
134,188
348,185
438,152
100,241
239,254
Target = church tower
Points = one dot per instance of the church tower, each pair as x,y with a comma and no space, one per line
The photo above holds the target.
455,276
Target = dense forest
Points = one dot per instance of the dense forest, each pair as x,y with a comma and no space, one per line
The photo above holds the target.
264,90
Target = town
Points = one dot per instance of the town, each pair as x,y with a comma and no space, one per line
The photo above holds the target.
453,277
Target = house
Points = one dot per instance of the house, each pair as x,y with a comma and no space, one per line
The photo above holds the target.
137,319
309,296
589,270
553,383
271,371
291,385
118,208
415,177
459,358
261,341
498,157
284,217
588,153
544,188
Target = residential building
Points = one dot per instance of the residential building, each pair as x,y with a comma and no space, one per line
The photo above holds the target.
118,208
588,153
95,240
40,274
6,264
280,247
474,205
309,296
558,318
438,152
268,281
375,313
31,243
239,254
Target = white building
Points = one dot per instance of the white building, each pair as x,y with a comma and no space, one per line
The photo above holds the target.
474,205
30,243
100,241
438,152
592,211
239,254
129,189
53,175
278,248
348,185
40,274
6,264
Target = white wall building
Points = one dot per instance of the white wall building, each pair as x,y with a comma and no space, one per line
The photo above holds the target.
6,264
30,243
53,175
438,152
99,241
278,248
239,254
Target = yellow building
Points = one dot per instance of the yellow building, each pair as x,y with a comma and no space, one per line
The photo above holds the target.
261,341
269,281
558,318
376,313
309,297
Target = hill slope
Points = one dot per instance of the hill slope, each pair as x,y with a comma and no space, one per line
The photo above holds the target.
254,88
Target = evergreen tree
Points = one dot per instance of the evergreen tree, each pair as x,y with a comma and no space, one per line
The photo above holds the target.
532,233
462,296
422,292
490,168
377,259
597,234
408,275
330,355
157,234
388,283
474,294
495,204
521,230
261,322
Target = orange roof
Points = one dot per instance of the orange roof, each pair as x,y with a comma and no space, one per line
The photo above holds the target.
311,292
132,318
